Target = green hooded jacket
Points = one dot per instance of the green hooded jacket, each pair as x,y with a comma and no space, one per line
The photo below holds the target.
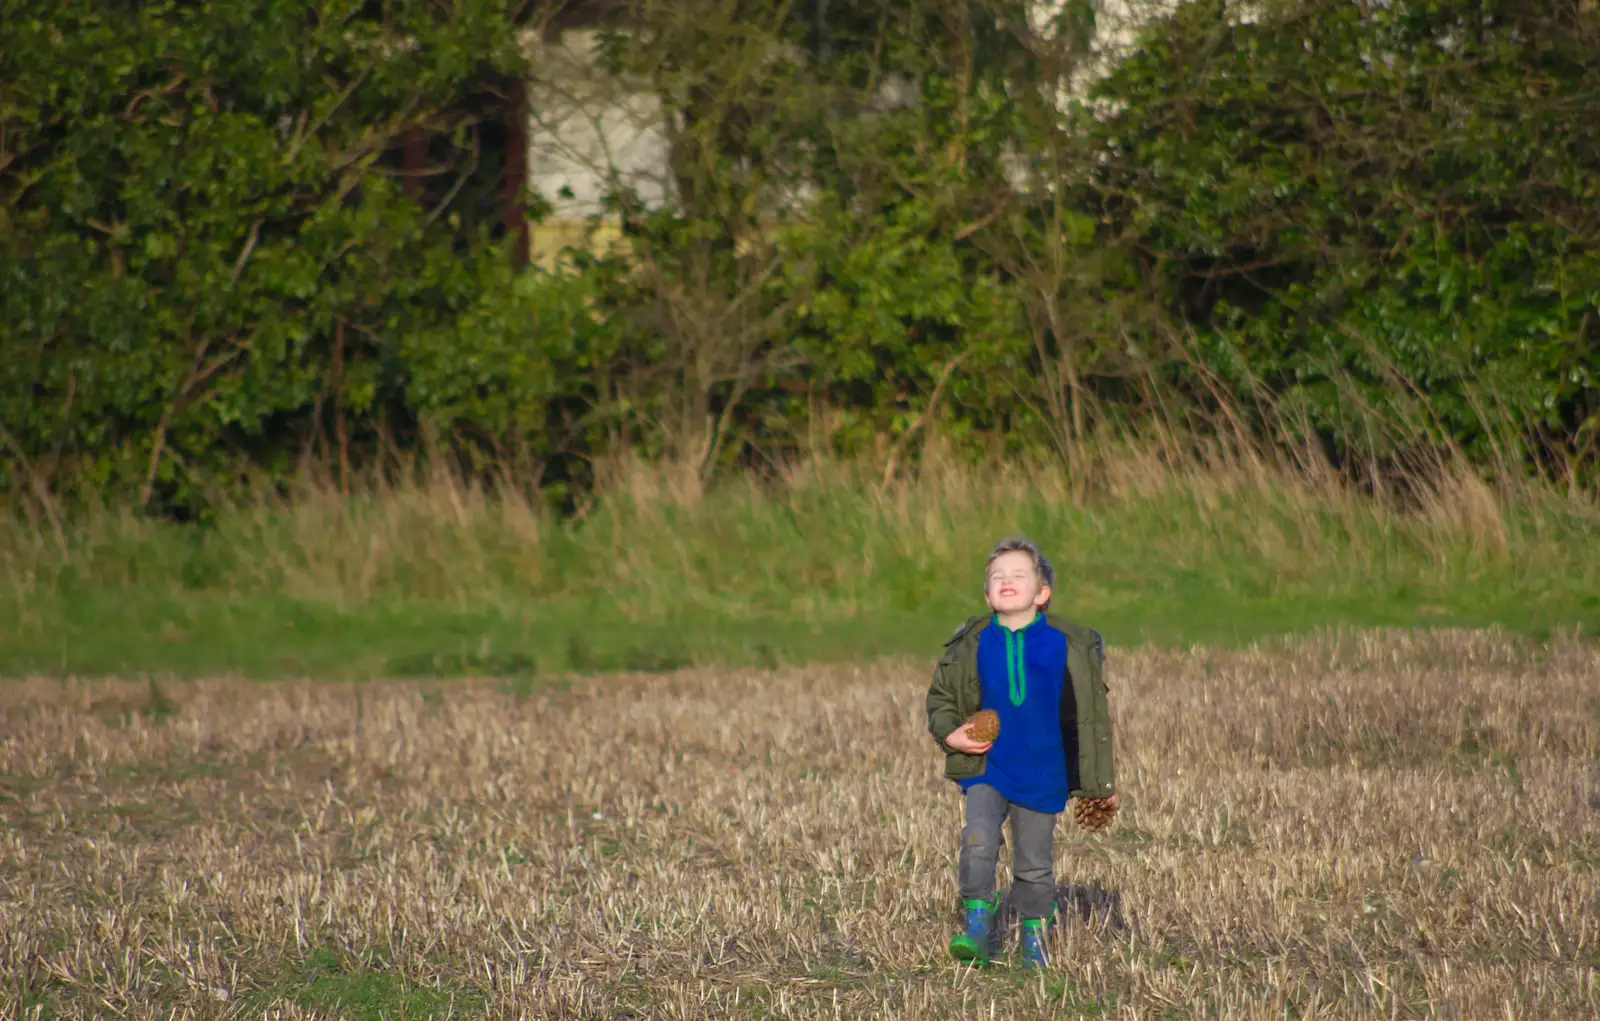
956,694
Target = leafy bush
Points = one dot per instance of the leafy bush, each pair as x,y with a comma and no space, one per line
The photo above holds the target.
1384,213
1371,225
200,248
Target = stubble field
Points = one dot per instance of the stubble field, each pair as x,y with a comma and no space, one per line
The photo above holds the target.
1366,825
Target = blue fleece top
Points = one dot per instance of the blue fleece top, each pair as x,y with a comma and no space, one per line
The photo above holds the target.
1021,674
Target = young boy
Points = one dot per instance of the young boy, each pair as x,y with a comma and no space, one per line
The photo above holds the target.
1042,675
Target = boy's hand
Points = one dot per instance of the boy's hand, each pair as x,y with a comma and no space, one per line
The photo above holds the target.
961,740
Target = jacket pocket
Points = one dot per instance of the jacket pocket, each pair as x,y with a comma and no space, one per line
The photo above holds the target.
961,766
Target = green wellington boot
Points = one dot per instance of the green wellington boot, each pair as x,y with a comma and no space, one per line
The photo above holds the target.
972,945
1033,943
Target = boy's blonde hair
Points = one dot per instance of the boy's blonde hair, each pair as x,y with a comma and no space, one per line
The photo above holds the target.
1022,544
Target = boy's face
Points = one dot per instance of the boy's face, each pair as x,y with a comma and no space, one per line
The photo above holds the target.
1013,584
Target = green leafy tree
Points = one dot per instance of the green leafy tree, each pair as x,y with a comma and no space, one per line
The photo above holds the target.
205,252
1383,214
887,223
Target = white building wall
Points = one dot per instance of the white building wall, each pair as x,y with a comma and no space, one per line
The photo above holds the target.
588,128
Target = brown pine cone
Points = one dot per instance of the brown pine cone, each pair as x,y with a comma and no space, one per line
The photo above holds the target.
985,725
1093,813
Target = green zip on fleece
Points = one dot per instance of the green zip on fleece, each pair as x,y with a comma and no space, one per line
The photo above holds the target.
1016,660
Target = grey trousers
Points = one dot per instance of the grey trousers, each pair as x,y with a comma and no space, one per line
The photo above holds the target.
1032,852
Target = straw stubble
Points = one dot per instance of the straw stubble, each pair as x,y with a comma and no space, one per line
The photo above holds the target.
1373,825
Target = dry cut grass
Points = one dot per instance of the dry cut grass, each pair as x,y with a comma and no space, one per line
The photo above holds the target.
1371,825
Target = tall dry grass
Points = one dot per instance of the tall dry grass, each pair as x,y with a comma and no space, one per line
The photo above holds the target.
1371,825
822,537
